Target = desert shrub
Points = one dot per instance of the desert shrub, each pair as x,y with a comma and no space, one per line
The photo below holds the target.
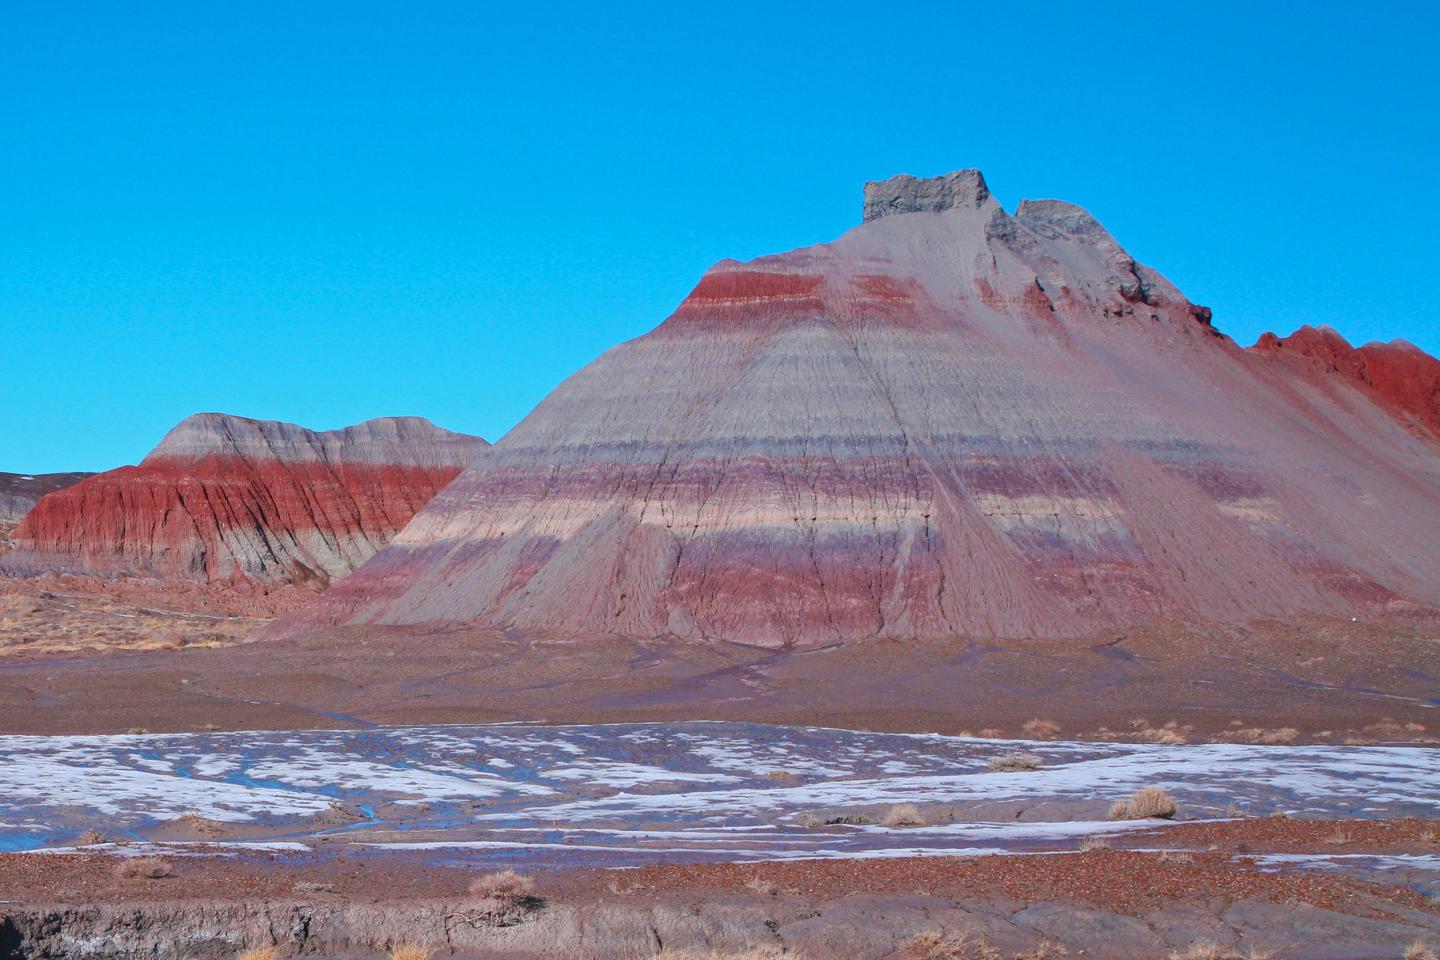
1094,843
1339,838
1175,856
1041,729
89,838
506,885
1013,761
411,951
144,868
903,815
1419,950
1151,802
257,953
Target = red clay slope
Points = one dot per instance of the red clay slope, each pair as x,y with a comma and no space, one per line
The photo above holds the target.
953,420
1399,376
227,499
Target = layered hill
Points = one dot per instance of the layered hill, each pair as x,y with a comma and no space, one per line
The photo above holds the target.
954,420
230,500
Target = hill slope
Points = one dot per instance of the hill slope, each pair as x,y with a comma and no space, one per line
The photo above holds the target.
953,420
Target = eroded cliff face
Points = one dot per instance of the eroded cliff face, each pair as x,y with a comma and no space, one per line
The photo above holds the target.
227,499
953,420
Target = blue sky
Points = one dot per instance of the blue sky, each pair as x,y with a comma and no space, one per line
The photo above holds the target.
327,212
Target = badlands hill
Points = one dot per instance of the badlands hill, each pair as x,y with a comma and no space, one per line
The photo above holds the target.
953,420
20,491
244,502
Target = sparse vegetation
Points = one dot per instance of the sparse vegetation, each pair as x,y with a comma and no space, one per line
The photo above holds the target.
1210,950
1175,856
1262,735
258,953
1041,729
1094,843
710,953
311,886
89,838
903,815
1014,761
411,951
1339,838
763,887
939,946
1420,950
1149,803
505,885
144,868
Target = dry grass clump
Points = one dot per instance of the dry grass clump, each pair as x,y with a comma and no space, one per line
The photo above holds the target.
506,885
710,953
1014,761
89,838
411,951
1172,732
903,815
1261,735
763,887
313,886
1175,856
939,946
144,868
1210,950
257,953
1339,838
1146,804
1094,843
1041,729
1419,950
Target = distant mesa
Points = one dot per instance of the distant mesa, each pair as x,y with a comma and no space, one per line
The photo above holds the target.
244,502
951,421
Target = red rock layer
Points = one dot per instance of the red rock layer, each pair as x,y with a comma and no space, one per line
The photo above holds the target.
1401,377
238,501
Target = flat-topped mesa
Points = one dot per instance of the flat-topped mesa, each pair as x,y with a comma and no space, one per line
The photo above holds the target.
412,440
907,194
254,503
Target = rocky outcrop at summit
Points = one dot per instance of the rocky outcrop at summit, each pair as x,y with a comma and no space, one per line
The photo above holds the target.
907,194
951,421
232,500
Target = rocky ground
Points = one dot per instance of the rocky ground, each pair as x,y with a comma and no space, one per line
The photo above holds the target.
1185,886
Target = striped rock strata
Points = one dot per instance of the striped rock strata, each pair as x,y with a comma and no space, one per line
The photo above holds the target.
952,420
226,499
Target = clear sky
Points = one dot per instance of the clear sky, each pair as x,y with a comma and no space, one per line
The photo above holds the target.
328,212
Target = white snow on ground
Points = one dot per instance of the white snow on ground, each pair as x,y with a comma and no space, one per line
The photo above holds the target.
711,787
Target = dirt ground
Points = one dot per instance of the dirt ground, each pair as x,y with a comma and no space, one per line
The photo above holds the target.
1323,681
